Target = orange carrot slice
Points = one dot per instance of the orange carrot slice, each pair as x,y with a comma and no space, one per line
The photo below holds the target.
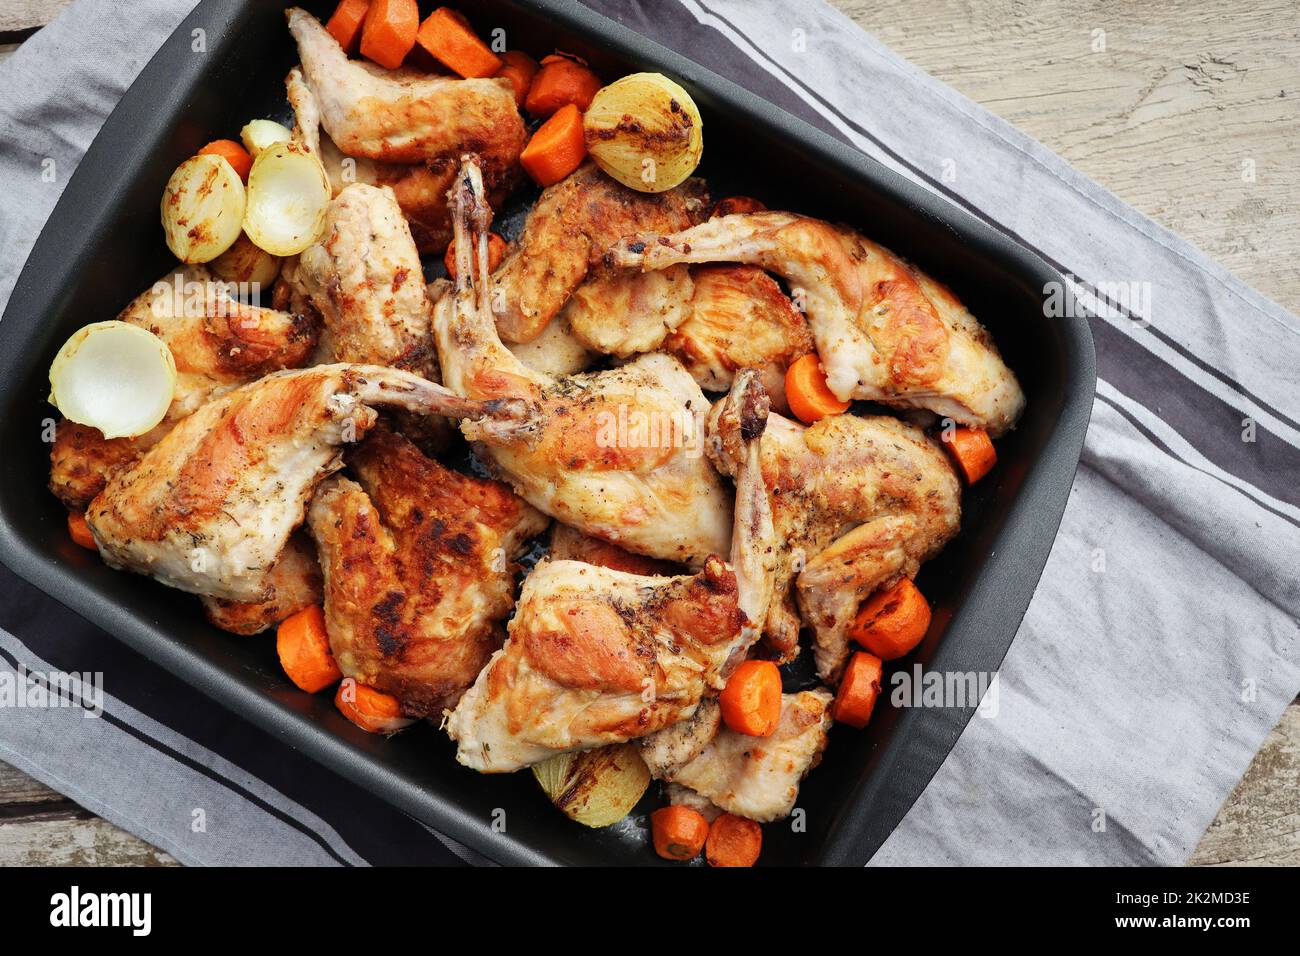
859,688
972,452
807,393
751,701
371,710
562,81
304,649
79,531
519,68
892,621
733,841
678,832
448,36
389,31
556,149
346,23
231,152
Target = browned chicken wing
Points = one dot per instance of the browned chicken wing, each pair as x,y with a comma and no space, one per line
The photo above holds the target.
565,236
82,459
714,319
419,570
857,503
217,341
625,313
754,777
739,318
420,188
885,331
405,116
363,276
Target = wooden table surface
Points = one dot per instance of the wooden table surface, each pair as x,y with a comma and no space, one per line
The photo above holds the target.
1164,114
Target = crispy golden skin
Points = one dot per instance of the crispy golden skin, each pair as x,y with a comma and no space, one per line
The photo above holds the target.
405,116
598,656
418,570
857,502
217,343
363,276
210,507
754,777
624,313
566,235
615,453
82,460
420,188
739,318
885,331
294,582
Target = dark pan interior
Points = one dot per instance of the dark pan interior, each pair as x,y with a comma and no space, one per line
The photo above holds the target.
104,245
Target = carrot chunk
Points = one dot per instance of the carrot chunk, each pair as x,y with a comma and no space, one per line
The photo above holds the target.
751,701
859,688
448,36
371,710
733,841
892,621
79,531
389,31
304,649
556,149
736,204
231,152
519,68
562,81
807,393
972,452
346,23
678,832
496,252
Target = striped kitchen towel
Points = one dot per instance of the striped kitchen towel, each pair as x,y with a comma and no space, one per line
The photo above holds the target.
1160,646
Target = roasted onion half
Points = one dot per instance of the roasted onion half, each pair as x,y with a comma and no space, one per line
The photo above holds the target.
113,376
287,195
202,208
645,131
596,788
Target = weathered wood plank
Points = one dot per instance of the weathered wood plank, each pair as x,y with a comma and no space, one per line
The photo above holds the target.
40,825
19,790
1165,116
1260,823
25,14
71,840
